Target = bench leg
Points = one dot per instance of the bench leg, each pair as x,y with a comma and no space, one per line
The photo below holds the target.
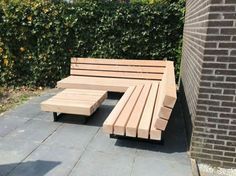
55,117
85,120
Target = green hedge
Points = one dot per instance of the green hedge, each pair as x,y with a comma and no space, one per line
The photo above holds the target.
37,40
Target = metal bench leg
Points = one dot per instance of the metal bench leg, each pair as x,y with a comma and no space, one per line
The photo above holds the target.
86,119
55,117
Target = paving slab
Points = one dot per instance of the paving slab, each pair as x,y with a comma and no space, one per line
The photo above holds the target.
34,130
102,143
12,152
153,166
72,136
103,164
48,161
27,110
10,123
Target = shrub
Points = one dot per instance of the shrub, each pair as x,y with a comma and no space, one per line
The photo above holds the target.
38,39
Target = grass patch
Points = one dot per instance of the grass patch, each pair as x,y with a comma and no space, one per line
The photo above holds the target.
11,97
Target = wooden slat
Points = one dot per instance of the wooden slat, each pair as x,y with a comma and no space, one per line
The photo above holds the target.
76,97
81,99
66,107
150,63
132,125
145,123
118,68
111,74
155,133
171,96
165,113
119,127
111,119
161,124
83,92
99,83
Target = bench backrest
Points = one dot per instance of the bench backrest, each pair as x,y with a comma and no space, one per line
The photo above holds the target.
118,68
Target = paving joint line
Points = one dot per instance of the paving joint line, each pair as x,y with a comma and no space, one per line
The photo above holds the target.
134,159
32,151
69,173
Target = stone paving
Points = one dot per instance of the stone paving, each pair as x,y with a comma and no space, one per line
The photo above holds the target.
31,144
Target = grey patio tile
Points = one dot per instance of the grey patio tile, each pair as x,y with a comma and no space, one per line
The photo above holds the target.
103,164
44,116
153,166
27,110
34,130
72,136
48,161
10,123
13,151
180,157
103,143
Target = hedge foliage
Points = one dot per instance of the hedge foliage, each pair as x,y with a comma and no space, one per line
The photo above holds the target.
38,39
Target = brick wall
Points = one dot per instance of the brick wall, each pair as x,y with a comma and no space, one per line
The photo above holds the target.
208,77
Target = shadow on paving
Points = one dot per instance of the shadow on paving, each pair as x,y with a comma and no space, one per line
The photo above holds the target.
36,168
174,137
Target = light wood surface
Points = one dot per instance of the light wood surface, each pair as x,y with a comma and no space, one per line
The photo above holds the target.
119,127
99,83
111,119
128,62
118,68
145,123
132,126
75,101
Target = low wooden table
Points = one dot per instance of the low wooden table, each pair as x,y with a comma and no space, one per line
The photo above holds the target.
74,101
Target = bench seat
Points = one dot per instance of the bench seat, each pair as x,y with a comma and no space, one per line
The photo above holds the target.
134,115
75,101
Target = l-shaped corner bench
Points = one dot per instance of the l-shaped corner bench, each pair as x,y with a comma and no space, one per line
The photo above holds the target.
144,109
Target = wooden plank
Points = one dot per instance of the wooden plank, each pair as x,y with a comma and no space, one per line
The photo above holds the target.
118,68
79,94
132,125
150,63
161,124
145,123
77,100
66,96
84,91
76,103
110,74
169,91
119,127
111,119
165,113
155,133
170,98
65,107
99,83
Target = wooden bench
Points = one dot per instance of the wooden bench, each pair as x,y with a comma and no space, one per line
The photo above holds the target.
149,92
